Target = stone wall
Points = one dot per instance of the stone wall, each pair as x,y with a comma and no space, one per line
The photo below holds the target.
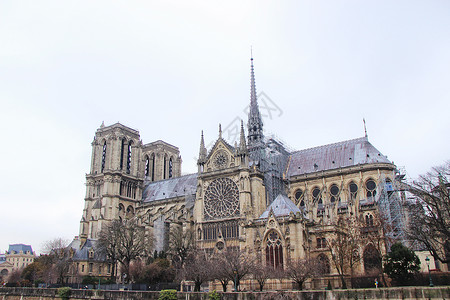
382,293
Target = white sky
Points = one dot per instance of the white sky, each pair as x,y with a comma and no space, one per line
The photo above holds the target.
173,68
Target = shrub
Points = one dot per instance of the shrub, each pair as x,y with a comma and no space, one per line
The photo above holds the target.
64,292
214,295
168,295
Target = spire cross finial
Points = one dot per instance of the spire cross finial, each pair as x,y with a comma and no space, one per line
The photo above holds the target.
365,129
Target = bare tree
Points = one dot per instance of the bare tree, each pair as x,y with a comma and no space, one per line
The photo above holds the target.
109,242
198,268
344,246
300,270
234,264
58,257
181,244
374,236
124,241
262,273
430,212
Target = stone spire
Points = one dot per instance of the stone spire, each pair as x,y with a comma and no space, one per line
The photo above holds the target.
202,152
242,143
255,124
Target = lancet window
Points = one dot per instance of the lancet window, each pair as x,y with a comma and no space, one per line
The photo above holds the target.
103,156
274,251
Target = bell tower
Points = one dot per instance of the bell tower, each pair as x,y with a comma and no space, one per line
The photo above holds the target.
114,183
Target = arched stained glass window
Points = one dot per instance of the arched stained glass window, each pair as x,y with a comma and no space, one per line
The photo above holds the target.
353,188
274,251
371,188
334,193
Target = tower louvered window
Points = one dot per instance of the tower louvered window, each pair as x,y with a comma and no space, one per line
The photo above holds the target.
129,158
104,156
147,165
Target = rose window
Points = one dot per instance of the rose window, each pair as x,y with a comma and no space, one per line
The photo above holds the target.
221,199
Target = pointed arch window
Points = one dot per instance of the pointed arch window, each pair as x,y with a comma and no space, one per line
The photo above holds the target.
147,165
324,264
129,157
153,166
317,195
164,167
103,156
334,193
122,150
274,251
353,188
298,195
170,167
371,188
369,220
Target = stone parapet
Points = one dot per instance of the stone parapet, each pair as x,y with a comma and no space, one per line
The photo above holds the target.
381,293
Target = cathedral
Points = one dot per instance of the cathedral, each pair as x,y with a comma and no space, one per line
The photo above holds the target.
254,195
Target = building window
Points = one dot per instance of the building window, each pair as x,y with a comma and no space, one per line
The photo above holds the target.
274,251
324,264
302,204
147,165
321,242
122,150
82,268
369,220
170,167
103,156
334,193
298,195
316,195
371,187
353,190
91,266
164,167
153,167
129,158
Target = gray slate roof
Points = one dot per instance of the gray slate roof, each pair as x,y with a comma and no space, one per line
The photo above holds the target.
334,156
16,248
170,188
281,206
83,252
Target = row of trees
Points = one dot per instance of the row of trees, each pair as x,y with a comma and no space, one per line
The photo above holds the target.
50,267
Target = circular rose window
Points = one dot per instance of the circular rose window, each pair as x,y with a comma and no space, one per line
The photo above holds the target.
221,199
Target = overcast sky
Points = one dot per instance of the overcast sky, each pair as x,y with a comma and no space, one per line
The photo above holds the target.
173,68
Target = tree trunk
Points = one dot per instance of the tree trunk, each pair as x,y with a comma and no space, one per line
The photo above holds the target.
224,285
197,286
344,284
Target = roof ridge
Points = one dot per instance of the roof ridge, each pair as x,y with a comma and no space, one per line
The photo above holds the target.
173,178
332,144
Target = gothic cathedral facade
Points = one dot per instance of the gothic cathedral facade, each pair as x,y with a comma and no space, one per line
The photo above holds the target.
255,195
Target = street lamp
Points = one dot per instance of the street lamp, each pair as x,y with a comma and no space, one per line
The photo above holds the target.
427,259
